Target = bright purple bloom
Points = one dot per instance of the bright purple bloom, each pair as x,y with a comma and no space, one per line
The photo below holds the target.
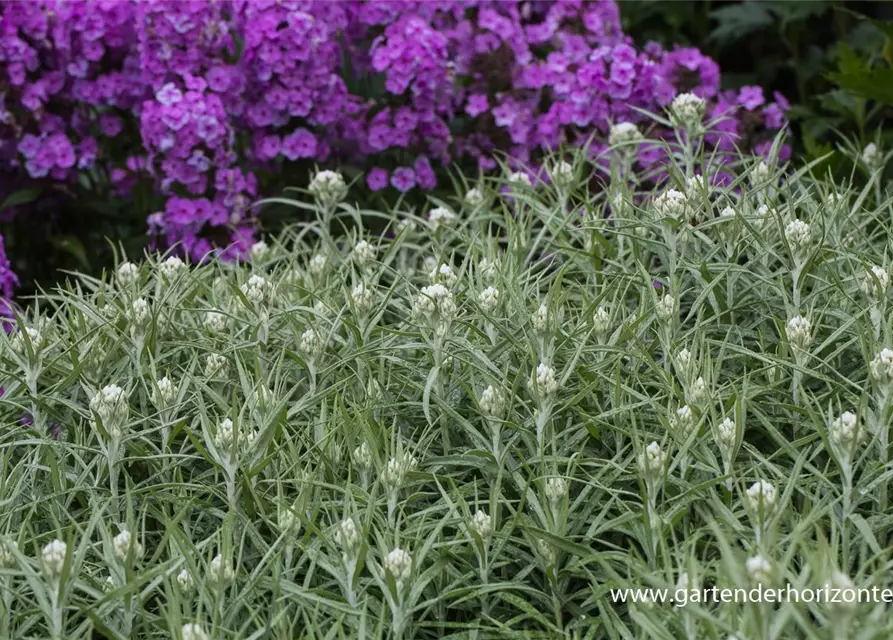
403,179
377,179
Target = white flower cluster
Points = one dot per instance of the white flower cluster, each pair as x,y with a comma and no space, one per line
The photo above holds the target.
798,234
698,393
844,432
672,204
624,133
481,524
881,367
347,537
328,187
872,156
164,393
436,307
226,439
311,345
363,298
601,322
7,557
363,252
799,332
667,308
519,178
172,268
140,313
216,365
543,382
443,274
220,571
761,498
123,544
112,407
18,340
556,491
362,456
193,631
687,110
488,299
726,433
128,274
52,558
474,197
684,419
259,251
759,568
652,460
441,217
257,290
215,322
876,283
540,318
399,564
562,173
317,264
492,402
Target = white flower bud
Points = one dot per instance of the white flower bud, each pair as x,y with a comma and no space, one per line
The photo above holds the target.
489,299
652,460
193,631
317,264
122,545
441,217
7,558
491,402
601,322
18,344
556,490
220,571
286,520
140,314
562,173
542,380
362,298
698,393
399,564
844,433
881,368
226,441
545,551
726,433
872,156
727,213
328,187
435,305
876,283
685,363
761,498
481,524
624,133
799,332
347,537
362,457
52,558
260,251
111,405
128,274
474,197
761,172
215,322
759,568
672,204
164,394
519,178
257,290
216,365
172,268
798,235
364,252
443,274
488,269
394,473
311,345
684,419
667,308
184,579
688,110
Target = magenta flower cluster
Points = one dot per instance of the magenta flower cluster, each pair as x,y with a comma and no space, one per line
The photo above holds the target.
201,97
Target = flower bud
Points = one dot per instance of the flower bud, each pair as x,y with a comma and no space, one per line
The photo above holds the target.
441,217
216,365
543,382
519,178
698,393
556,491
193,631
362,457
876,283
726,434
328,187
18,341
561,173
687,110
624,133
488,269
685,364
111,405
363,253
347,537
122,545
140,313
491,402
601,322
317,264
172,268
399,564
872,156
443,274
540,319
128,274
667,308
257,290
220,572
881,368
215,322
489,299
311,345
652,460
759,569
761,499
672,204
260,251
798,234
362,297
164,394
286,520
52,559
844,433
474,197
185,581
684,419
481,524
799,332
7,558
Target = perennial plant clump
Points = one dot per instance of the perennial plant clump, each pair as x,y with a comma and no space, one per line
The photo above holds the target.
201,104
486,422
